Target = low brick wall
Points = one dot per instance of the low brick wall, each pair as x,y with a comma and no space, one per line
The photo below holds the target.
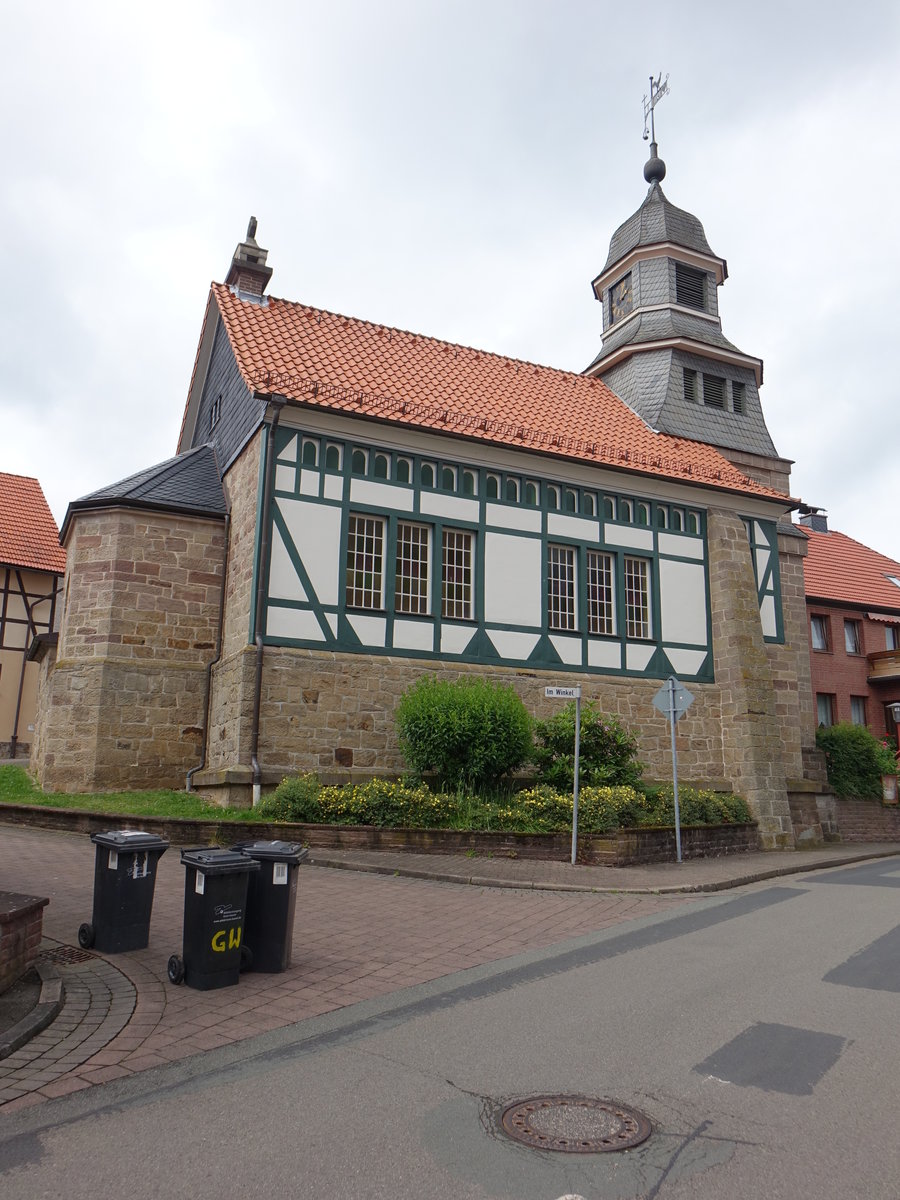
617,849
867,821
21,926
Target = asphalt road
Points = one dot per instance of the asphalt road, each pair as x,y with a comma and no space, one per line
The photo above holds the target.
758,1031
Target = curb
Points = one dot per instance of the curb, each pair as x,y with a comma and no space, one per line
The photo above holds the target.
52,998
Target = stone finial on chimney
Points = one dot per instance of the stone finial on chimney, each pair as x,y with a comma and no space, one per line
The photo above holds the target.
248,271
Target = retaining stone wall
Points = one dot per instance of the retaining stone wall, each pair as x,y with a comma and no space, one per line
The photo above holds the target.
21,925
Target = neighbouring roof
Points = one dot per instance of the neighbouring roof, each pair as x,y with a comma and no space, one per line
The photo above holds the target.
188,483
28,534
838,568
327,361
657,220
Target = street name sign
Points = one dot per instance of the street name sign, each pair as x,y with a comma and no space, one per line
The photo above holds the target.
563,693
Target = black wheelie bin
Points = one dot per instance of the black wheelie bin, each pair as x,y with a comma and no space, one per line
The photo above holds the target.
215,901
124,881
271,903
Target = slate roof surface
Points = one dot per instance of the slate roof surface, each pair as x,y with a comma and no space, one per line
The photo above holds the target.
657,220
662,325
333,362
189,483
839,568
28,534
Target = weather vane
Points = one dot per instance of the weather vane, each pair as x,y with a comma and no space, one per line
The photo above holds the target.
658,88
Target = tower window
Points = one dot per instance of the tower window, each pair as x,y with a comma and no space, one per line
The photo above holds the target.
713,391
738,395
690,385
690,286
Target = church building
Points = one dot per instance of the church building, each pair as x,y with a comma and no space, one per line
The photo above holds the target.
353,505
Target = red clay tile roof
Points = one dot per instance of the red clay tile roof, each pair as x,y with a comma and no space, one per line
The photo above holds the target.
28,534
332,362
838,568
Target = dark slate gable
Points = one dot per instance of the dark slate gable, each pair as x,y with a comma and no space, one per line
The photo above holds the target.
239,413
188,483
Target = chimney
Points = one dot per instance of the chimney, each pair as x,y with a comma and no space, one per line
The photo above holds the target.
813,518
248,273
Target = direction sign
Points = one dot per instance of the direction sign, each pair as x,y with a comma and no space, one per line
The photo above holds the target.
683,699
563,693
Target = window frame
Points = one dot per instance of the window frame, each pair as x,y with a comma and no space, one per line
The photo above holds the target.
355,595
637,627
464,544
853,637
818,619
561,588
412,591
825,702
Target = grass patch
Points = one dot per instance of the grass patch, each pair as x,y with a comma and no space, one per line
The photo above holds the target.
17,788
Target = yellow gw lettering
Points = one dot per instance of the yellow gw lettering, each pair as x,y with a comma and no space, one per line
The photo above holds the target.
218,942
234,937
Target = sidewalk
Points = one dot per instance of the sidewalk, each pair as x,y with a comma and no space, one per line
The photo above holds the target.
380,923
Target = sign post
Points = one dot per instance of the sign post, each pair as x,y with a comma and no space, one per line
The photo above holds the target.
673,699
572,693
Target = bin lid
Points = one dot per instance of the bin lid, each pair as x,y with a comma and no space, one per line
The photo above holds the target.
214,861
130,839
284,852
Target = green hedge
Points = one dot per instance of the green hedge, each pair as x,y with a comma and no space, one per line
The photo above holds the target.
855,760
540,809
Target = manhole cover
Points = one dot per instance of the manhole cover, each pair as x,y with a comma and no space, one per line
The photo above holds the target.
67,954
574,1124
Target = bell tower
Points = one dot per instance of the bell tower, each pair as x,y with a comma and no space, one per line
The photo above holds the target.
663,350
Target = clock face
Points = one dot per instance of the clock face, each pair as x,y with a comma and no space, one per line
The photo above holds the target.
620,299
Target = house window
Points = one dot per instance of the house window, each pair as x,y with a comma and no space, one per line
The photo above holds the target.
643,514
215,412
448,479
493,487
426,475
411,580
531,494
570,502
690,286
600,595
852,640
626,510
818,628
892,637
858,710
690,385
677,519
382,466
456,574
552,496
589,504
359,462
332,458
403,467
738,396
637,598
469,485
365,562
609,507
310,454
693,522
824,709
512,491
713,391
561,587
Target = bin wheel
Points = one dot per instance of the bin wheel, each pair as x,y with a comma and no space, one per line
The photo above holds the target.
85,936
246,958
175,969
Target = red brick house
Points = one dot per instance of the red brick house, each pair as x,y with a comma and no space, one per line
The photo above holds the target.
853,605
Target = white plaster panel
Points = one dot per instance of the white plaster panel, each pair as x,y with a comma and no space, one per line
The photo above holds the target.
309,483
289,453
605,654
371,631
332,619
285,478
455,638
762,561
334,487
413,635
627,535
568,649
386,495
284,583
527,519
760,534
511,644
637,655
676,543
685,662
682,601
561,525
316,531
456,508
512,579
767,617
297,623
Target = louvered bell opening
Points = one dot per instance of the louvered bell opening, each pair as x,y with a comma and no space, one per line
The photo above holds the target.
690,385
690,286
713,391
738,396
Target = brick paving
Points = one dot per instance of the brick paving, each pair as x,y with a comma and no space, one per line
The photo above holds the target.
357,936
359,933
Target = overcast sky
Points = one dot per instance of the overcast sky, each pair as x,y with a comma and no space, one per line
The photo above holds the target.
456,169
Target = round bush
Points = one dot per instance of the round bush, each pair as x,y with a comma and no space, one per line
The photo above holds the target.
468,733
607,752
